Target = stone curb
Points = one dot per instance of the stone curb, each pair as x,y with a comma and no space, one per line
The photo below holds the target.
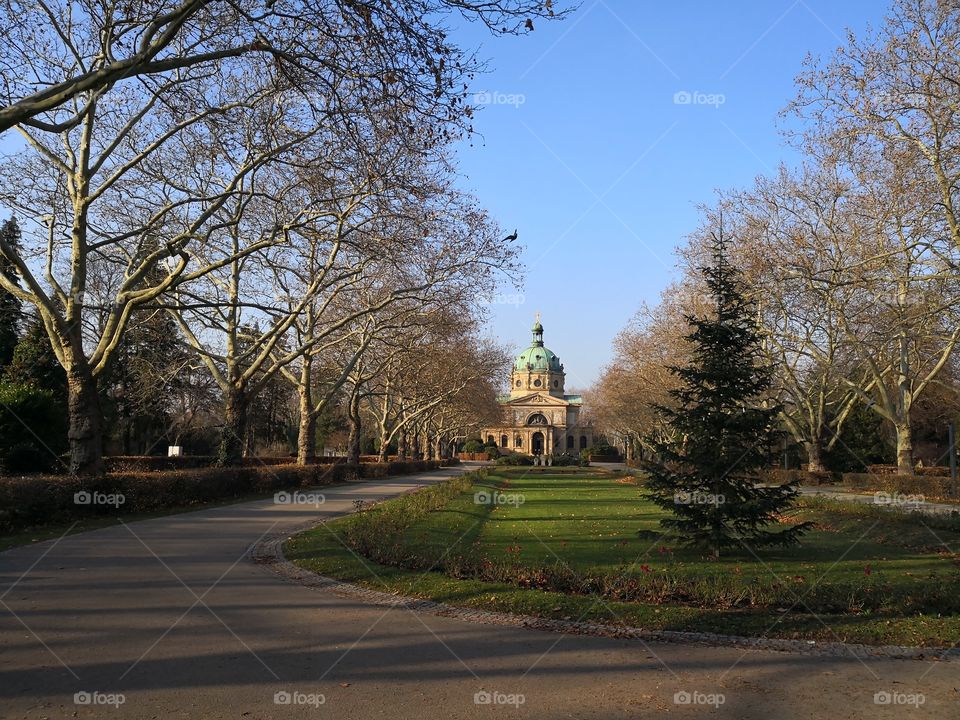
269,552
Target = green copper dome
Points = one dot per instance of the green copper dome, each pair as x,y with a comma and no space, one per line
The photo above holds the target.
537,357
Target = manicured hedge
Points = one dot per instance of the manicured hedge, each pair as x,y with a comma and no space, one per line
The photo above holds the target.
931,485
35,500
475,456
935,470
515,459
801,477
157,463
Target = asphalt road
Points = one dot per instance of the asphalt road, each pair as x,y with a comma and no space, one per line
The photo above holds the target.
168,618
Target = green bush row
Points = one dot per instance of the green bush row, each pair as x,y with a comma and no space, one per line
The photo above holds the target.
35,500
566,460
159,463
381,528
800,477
935,470
932,485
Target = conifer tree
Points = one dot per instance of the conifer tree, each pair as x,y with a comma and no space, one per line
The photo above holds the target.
723,427
34,362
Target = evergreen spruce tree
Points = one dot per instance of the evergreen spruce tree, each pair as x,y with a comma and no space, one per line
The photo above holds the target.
34,362
11,309
724,427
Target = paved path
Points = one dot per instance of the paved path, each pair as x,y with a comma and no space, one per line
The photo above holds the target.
171,614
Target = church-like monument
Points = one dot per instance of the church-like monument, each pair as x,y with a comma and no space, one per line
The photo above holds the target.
538,418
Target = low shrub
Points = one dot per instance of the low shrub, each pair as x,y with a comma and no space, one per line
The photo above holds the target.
934,486
477,456
935,470
800,477
568,460
604,458
33,500
377,533
515,459
159,463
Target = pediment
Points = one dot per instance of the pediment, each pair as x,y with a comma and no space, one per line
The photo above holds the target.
536,399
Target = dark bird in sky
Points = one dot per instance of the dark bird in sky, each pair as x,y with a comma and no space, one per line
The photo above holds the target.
511,238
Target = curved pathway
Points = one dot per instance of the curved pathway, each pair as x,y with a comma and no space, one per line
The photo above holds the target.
172,617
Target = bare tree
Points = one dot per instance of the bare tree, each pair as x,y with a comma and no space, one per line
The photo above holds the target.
147,124
57,58
638,380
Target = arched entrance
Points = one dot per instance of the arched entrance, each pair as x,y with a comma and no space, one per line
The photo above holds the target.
537,443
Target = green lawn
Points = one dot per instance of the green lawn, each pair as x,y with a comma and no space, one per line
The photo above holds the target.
587,545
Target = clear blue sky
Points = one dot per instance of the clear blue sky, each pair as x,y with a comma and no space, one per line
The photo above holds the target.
601,171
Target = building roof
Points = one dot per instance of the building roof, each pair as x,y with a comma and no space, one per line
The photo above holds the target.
537,357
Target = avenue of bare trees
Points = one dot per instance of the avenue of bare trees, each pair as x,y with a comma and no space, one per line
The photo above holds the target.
268,186
851,258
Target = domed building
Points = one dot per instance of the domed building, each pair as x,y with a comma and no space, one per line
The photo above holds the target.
538,418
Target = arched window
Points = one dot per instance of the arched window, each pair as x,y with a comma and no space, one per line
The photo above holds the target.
518,441
556,383
503,441
570,444
490,440
583,442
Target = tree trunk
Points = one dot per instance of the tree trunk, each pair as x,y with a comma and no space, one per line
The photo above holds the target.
307,436
233,436
814,456
402,446
382,456
86,422
353,444
904,449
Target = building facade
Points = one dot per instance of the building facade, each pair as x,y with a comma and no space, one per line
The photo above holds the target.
538,417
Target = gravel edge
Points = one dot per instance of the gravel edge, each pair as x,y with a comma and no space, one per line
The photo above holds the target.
269,552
